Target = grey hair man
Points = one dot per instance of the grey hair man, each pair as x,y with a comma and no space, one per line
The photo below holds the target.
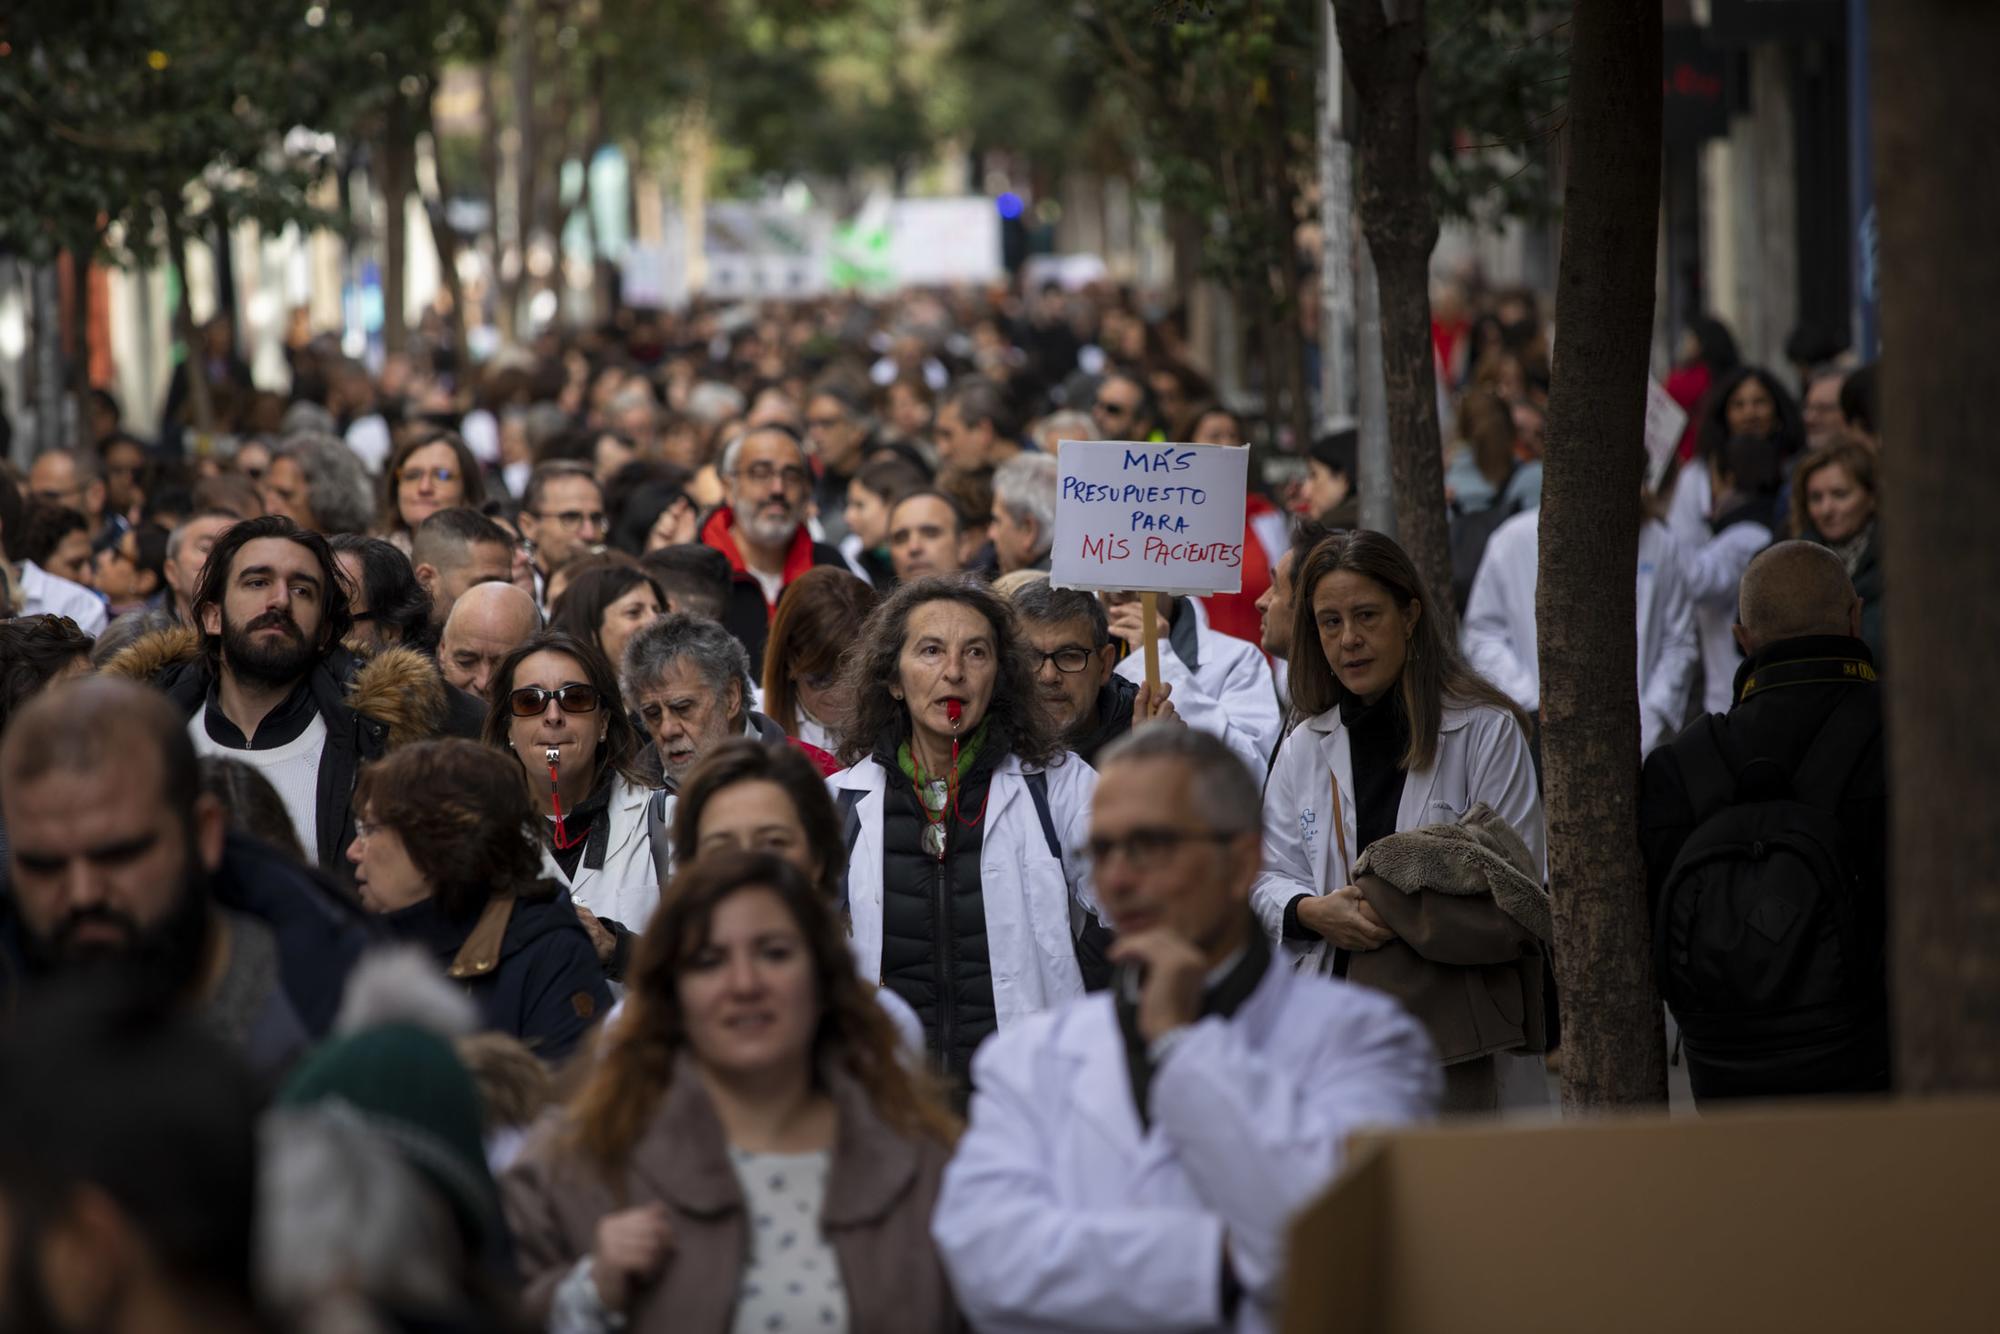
762,529
1164,1087
690,681
1071,638
1024,512
187,551
318,483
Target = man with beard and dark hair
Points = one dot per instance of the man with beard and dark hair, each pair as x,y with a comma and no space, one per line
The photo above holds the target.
128,1179
267,681
119,863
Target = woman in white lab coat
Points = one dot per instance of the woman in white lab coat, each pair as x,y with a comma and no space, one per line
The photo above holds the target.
556,695
1399,733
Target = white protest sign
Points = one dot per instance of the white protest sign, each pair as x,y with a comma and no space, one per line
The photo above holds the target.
1149,518
1665,421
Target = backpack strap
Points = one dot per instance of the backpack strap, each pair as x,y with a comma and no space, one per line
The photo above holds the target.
1836,751
1706,770
1038,788
848,802
659,835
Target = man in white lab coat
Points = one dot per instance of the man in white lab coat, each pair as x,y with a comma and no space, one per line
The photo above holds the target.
1135,1157
1221,684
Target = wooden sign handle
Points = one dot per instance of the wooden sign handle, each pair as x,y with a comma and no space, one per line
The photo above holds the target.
1150,629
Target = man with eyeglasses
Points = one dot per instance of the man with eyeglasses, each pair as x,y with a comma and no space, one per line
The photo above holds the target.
762,529
1182,1119
1074,676
70,478
262,677
562,517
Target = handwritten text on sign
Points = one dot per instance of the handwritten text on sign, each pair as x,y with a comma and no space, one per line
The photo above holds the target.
1149,517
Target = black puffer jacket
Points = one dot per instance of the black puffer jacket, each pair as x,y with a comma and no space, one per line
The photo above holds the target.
934,951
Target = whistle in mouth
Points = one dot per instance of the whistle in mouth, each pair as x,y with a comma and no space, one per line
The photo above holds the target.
554,756
952,710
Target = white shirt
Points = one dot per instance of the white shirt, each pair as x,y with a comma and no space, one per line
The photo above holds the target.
293,769
1228,692
1499,633
45,594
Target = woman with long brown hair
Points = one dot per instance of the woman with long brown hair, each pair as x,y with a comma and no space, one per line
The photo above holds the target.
1399,733
747,1152
819,618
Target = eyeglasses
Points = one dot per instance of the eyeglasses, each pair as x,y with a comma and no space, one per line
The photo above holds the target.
1147,849
573,698
761,474
575,519
413,476
824,423
1068,661
817,680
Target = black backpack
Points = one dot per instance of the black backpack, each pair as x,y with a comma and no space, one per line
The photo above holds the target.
1756,939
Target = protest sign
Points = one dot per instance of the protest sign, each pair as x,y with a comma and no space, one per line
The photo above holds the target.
1665,421
1149,518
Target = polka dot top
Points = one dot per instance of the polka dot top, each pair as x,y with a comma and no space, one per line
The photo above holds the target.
791,1279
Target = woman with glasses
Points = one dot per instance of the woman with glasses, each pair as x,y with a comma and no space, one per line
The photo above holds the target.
747,1152
557,711
965,807
819,618
427,473
444,852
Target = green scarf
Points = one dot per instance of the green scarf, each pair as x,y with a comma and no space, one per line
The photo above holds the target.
968,752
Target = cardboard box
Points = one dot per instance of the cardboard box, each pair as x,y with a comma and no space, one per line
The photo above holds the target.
1880,1217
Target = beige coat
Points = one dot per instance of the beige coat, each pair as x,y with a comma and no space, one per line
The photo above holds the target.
879,1197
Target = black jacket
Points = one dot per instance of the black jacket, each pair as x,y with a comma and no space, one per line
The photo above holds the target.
369,707
934,951
320,933
1111,719
1792,687
747,616
532,969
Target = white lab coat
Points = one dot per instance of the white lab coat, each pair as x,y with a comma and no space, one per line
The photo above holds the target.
1499,634
1481,756
1229,692
626,888
1060,1213
1027,893
1714,570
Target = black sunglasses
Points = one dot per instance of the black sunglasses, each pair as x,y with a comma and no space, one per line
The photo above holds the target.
573,698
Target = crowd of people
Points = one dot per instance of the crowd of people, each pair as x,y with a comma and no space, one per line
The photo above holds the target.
629,836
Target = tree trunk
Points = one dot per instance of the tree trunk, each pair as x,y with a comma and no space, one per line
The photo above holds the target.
443,237
395,159
46,294
1940,277
200,406
1387,58
1585,603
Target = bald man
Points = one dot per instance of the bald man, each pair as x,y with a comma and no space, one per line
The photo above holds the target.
488,622
1806,728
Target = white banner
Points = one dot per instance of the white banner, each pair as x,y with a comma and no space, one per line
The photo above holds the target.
1149,518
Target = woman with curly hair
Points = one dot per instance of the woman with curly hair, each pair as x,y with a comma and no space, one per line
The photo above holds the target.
748,1152
965,808
445,851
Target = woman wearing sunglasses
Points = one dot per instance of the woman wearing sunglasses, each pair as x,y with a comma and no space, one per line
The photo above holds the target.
556,709
431,471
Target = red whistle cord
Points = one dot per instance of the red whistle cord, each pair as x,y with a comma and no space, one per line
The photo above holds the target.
561,836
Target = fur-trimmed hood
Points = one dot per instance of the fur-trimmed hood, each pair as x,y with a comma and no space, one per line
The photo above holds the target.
1481,854
399,688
